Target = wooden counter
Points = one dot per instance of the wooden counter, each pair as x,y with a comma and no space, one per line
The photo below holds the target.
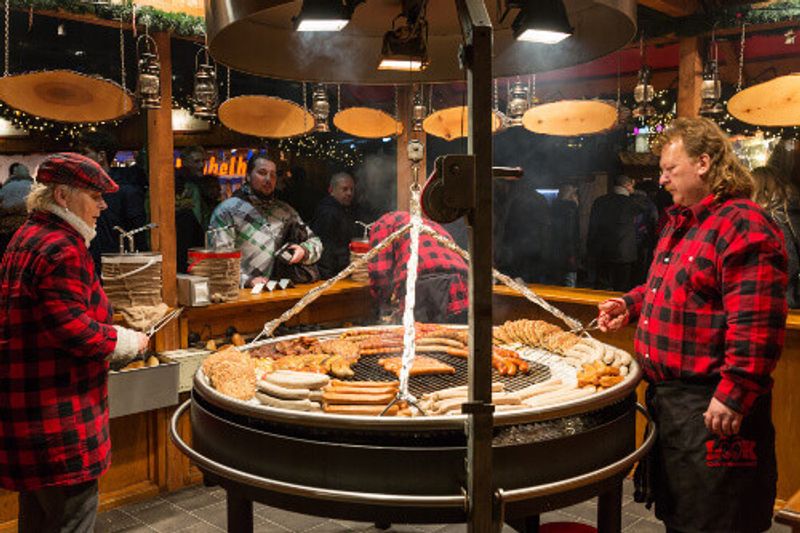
145,462
345,301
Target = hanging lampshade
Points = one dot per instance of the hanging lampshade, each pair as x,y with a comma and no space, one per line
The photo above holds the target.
205,93
148,79
320,108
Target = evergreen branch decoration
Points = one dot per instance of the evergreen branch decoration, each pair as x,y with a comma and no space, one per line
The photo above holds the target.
155,19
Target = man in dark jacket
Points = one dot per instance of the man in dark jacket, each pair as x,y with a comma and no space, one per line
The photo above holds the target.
566,239
335,225
125,207
523,248
12,203
611,241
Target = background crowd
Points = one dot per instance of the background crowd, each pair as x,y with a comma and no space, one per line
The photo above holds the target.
574,238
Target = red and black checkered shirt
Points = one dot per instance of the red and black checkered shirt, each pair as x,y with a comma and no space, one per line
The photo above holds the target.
714,304
388,272
55,334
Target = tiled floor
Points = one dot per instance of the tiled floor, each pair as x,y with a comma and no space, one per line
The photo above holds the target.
200,510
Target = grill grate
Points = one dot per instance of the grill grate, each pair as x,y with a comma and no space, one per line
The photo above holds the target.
368,369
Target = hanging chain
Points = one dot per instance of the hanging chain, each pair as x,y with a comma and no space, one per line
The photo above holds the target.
533,88
619,87
495,96
122,54
228,83
396,103
430,99
305,107
338,97
741,61
5,50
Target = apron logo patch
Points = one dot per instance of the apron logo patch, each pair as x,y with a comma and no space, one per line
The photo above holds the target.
731,451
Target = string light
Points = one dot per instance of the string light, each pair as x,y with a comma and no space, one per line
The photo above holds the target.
312,146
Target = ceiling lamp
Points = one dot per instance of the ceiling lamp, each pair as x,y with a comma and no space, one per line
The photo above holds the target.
643,94
205,93
324,15
518,103
148,78
711,87
405,47
320,108
235,29
711,91
540,21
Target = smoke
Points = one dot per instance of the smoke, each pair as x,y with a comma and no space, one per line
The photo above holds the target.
315,50
376,186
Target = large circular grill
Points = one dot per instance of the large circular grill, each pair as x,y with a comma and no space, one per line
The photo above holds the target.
411,469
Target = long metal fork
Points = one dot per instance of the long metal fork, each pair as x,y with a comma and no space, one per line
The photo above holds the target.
163,321
591,326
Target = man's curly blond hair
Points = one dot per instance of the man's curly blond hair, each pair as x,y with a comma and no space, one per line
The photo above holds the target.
726,175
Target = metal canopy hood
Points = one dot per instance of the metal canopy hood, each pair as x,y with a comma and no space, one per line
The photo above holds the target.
257,36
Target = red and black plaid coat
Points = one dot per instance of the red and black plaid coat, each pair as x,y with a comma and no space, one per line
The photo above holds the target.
388,272
55,334
714,304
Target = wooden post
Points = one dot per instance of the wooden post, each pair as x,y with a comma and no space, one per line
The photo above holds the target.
405,176
162,189
690,77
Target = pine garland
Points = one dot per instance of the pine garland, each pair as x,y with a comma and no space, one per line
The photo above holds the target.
155,19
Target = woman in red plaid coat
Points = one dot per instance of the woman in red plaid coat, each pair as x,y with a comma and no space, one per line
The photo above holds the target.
56,342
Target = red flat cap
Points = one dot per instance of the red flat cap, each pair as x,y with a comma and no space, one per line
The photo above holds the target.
76,170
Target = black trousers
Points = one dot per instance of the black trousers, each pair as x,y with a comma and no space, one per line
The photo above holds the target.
61,509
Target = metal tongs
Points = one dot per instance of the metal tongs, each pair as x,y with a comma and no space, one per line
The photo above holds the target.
584,330
163,321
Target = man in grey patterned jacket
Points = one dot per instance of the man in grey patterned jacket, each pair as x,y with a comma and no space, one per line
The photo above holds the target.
259,223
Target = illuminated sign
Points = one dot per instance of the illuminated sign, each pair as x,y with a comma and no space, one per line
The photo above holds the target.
235,166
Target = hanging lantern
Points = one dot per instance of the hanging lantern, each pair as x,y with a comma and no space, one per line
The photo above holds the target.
418,113
205,94
320,108
643,94
518,103
148,80
711,91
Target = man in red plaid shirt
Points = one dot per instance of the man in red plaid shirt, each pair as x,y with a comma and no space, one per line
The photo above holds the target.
711,321
56,343
442,292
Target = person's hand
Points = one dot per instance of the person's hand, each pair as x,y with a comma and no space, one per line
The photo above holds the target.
256,281
298,253
721,419
144,342
613,314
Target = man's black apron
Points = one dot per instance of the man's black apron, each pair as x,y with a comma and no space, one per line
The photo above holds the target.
701,482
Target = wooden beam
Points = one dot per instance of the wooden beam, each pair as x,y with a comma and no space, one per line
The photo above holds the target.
162,189
673,8
690,74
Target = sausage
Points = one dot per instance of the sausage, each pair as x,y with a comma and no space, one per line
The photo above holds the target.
291,379
539,388
285,393
293,405
358,398
365,410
